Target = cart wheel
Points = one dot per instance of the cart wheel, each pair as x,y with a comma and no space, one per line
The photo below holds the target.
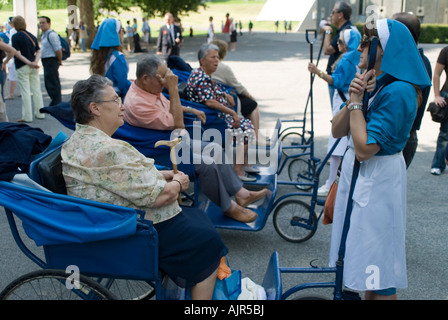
130,289
292,139
288,215
49,284
299,170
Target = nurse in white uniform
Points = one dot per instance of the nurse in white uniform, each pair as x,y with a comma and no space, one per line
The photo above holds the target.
375,259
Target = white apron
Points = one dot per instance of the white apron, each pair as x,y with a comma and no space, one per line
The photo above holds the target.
375,252
342,146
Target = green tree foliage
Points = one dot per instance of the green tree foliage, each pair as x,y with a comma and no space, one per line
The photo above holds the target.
176,7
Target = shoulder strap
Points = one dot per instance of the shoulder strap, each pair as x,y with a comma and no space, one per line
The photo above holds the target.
34,44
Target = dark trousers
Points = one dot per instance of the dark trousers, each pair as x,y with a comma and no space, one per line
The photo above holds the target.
51,78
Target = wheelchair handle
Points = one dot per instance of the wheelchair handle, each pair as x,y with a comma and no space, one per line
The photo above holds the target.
308,31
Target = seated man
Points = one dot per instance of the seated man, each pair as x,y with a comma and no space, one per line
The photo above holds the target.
147,107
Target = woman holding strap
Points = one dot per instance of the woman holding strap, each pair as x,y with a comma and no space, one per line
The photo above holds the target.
375,259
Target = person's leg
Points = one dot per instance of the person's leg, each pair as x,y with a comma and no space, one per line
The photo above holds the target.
442,141
204,289
23,77
52,82
35,88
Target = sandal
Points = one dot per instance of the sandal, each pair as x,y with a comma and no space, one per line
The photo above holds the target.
23,121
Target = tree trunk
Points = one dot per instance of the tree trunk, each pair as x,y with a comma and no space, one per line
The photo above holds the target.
87,16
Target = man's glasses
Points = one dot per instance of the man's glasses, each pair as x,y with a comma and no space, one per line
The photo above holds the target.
365,41
117,100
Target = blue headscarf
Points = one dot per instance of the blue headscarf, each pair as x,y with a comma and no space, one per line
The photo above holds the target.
351,38
107,35
401,58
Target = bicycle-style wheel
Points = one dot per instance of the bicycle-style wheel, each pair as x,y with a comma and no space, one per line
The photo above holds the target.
301,171
125,289
294,222
50,284
291,143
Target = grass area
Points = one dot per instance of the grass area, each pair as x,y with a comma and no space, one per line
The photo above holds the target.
240,10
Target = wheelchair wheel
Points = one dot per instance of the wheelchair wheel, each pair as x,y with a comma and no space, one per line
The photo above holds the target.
299,170
49,284
130,289
288,215
292,139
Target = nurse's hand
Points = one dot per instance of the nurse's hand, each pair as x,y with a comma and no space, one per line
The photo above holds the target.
361,83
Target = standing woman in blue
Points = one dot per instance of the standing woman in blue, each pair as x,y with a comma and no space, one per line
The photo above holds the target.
375,259
343,74
108,59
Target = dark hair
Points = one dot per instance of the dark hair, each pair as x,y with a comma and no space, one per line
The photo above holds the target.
345,8
87,91
46,18
411,22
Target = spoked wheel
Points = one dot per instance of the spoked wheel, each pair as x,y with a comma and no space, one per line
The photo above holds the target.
291,143
301,171
130,289
49,284
294,222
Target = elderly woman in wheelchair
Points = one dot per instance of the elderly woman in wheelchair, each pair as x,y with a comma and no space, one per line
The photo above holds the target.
98,167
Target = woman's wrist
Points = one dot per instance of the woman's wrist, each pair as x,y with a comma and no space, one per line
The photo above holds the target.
180,185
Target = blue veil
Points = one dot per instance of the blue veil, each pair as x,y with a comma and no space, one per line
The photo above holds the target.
108,34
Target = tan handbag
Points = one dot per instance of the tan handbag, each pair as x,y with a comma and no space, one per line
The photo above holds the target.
329,202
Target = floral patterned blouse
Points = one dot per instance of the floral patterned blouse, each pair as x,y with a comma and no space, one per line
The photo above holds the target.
200,88
100,168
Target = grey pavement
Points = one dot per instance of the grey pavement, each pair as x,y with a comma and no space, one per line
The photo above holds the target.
274,69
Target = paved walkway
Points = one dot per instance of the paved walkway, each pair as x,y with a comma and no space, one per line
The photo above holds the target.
274,69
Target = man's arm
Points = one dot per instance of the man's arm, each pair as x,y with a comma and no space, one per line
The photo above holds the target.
170,82
328,48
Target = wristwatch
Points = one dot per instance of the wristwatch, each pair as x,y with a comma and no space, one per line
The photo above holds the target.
354,106
327,32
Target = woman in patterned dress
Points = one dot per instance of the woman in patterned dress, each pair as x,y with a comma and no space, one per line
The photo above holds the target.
202,89
100,168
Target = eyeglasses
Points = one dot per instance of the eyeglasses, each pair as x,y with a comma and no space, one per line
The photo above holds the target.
365,41
117,100
340,41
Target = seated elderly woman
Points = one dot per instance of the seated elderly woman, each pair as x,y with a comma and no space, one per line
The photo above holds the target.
225,75
100,168
200,88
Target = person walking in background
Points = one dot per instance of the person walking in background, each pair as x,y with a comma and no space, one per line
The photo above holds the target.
129,36
170,38
51,60
211,30
233,35
340,17
146,33
438,164
28,76
226,28
82,35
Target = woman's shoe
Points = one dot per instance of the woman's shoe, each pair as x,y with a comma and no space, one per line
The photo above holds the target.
322,191
242,214
436,171
253,196
250,169
247,178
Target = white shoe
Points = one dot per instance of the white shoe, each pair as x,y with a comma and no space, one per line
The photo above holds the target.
436,171
250,169
322,191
